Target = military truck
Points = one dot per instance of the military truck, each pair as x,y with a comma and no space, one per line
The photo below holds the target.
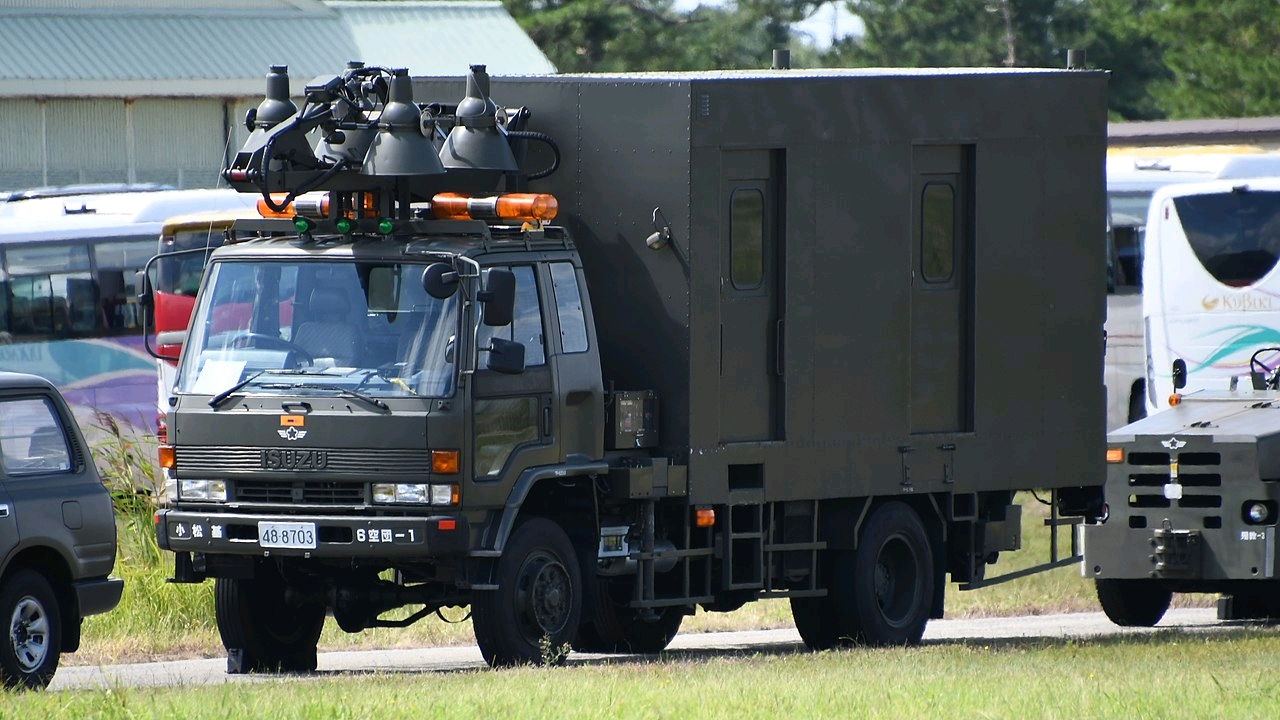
628,346
1192,498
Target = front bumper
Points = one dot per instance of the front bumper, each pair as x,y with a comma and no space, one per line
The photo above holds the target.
336,536
1113,550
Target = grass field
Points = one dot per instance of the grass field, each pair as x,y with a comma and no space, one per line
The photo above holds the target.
1227,674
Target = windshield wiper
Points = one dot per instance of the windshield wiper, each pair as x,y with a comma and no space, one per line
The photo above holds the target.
344,391
217,400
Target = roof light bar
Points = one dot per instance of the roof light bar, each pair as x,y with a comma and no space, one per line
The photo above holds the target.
509,207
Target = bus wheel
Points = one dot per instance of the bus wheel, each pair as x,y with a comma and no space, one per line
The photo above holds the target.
886,598
617,628
261,631
1133,603
29,652
534,614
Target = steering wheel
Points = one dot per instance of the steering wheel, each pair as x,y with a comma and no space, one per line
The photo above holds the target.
1269,374
250,339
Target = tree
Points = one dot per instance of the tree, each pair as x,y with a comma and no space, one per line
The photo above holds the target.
961,33
1118,37
1224,56
637,35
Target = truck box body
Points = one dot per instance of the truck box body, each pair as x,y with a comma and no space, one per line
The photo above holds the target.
843,371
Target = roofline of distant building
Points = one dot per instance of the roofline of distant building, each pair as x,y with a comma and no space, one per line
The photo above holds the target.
1194,132
202,88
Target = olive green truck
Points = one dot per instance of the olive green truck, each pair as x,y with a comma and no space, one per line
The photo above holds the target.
627,346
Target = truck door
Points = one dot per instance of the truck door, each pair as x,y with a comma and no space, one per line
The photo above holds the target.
941,288
750,288
512,413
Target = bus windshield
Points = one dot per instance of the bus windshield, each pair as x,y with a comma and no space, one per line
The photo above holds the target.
296,327
1235,235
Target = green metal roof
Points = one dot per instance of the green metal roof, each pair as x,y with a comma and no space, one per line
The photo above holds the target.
140,48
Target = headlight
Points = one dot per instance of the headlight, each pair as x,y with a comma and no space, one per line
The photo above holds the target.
1258,512
415,493
206,490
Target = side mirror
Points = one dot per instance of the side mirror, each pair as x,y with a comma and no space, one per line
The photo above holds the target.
499,298
440,280
142,281
506,356
1179,374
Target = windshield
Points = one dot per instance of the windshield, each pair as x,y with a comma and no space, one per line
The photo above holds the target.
320,327
1236,235
180,274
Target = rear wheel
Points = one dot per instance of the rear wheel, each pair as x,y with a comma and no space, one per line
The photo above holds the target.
534,614
617,628
1133,603
817,619
886,598
31,648
261,629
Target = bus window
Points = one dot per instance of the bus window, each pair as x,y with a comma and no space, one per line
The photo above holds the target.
117,263
51,290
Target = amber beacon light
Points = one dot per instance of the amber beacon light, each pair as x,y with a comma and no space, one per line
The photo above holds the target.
509,207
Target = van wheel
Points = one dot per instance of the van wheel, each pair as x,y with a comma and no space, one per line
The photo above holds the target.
617,628
29,654
886,598
1133,603
534,614
261,630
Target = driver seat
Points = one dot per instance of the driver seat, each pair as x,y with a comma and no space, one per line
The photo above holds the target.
329,332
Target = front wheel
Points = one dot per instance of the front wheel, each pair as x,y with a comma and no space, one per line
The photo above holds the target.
1133,603
886,599
261,630
534,614
30,651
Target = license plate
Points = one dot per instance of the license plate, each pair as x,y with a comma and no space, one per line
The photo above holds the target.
287,535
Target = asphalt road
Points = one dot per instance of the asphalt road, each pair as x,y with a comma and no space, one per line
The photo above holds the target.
431,660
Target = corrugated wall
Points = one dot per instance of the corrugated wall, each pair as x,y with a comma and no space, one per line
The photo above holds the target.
177,142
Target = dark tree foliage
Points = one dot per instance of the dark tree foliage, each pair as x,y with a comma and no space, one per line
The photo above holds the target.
638,35
1224,56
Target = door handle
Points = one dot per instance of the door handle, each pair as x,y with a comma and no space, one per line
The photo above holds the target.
4,510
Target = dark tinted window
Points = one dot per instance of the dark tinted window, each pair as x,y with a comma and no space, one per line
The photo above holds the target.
1235,235
746,239
573,324
937,232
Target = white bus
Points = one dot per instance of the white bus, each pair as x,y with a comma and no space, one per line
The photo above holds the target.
69,308
1212,291
1131,181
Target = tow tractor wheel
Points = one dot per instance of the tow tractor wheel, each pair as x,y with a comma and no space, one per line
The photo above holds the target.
534,614
1133,603
885,596
31,647
261,630
617,628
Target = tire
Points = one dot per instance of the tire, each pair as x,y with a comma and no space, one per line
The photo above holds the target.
885,586
538,603
261,631
33,644
817,619
616,628
1133,603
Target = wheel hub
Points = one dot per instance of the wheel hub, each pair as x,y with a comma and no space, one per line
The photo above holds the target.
29,634
544,597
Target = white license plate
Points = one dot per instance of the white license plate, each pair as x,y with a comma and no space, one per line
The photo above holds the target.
287,535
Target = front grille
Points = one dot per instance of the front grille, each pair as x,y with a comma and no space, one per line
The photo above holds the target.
195,461
1148,472
309,493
